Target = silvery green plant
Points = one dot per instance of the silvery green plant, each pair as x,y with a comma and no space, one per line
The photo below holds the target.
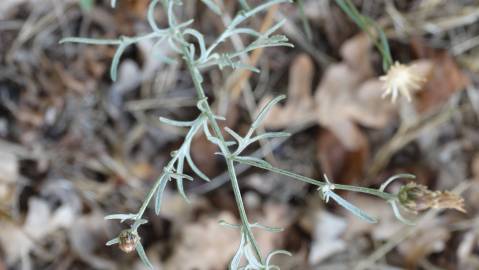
184,40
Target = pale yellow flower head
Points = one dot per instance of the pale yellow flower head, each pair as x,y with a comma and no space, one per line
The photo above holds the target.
401,80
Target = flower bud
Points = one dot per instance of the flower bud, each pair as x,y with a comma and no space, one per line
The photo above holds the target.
128,240
415,198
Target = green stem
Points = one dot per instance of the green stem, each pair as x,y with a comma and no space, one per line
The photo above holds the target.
224,148
304,20
371,191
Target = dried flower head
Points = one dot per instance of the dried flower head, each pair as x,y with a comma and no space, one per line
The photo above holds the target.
128,240
414,198
401,79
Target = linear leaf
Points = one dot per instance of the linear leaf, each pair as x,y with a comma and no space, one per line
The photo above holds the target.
176,123
179,178
262,114
196,169
235,135
121,217
91,41
253,160
350,207
398,215
113,241
235,262
270,135
142,255
159,193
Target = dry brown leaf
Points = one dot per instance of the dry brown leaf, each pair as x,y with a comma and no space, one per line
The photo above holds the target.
356,53
347,96
338,162
444,80
299,106
343,102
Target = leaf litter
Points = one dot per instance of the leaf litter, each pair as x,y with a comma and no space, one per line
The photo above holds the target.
73,146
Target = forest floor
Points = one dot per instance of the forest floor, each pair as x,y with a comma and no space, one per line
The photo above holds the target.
76,146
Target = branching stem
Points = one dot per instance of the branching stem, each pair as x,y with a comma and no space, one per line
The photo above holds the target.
224,149
381,194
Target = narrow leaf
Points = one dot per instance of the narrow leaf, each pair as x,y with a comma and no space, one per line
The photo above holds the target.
270,135
230,143
253,160
181,176
235,262
159,193
196,169
175,122
113,241
121,217
397,214
229,225
350,207
91,41
395,177
267,228
179,179
142,255
276,252
138,223
262,114
235,135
